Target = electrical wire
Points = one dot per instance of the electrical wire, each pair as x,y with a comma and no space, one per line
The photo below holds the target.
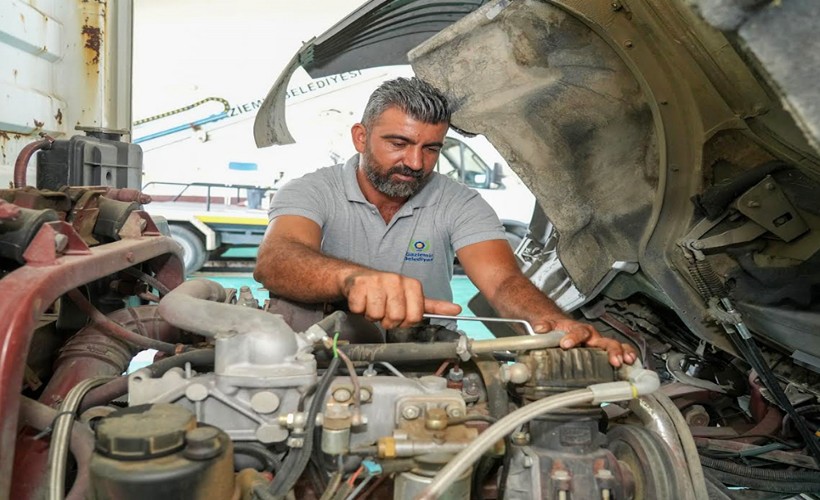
359,488
357,390
297,460
392,369
148,280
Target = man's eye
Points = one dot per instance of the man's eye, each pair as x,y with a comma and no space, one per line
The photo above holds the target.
433,149
397,144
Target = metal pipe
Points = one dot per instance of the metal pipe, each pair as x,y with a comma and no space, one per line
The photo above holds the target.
21,165
521,343
58,451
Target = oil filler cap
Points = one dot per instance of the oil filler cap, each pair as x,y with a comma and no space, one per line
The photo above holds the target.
143,432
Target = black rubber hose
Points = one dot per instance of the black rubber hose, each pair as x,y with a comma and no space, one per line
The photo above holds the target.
716,489
764,484
199,358
770,381
269,461
297,460
758,473
400,353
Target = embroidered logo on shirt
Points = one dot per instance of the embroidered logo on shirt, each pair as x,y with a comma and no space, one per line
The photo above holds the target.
419,251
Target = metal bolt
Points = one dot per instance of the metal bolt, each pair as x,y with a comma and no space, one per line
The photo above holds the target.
129,256
410,412
196,392
60,242
696,415
520,438
628,44
456,374
265,402
753,204
341,394
616,6
604,474
454,412
697,245
770,186
560,475
364,394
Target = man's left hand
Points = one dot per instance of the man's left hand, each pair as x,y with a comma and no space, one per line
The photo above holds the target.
582,333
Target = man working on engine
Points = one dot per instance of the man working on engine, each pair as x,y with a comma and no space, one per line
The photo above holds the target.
381,231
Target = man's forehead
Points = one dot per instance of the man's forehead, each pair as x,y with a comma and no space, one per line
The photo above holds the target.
397,116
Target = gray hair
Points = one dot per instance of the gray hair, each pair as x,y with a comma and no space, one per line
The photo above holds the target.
415,97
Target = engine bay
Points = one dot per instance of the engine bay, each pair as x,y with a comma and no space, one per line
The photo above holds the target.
239,405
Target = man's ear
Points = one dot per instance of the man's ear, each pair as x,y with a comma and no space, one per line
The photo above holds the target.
359,134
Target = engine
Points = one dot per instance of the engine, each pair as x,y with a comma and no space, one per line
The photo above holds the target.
238,404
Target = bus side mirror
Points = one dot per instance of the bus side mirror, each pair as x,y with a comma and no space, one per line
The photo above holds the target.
497,175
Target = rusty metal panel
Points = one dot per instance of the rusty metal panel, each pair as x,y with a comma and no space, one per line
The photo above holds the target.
63,65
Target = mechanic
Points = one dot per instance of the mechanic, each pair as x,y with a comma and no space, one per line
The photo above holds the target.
382,230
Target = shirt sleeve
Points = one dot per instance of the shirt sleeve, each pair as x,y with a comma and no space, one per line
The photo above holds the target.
300,197
473,220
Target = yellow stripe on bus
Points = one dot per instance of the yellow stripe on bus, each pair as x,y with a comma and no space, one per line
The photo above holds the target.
221,219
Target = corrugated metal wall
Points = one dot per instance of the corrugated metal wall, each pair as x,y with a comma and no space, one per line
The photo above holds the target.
63,64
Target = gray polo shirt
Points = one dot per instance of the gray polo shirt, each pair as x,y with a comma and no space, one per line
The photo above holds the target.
420,241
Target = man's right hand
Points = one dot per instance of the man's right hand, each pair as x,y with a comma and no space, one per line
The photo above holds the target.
391,299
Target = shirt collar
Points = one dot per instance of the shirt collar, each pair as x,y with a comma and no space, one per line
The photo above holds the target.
427,195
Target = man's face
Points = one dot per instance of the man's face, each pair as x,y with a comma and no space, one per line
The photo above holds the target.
399,152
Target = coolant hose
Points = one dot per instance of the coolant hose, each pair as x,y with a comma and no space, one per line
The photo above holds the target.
198,306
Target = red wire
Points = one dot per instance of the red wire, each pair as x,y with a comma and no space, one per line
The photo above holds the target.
355,475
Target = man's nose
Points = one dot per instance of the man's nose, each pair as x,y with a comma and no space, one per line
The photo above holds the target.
414,158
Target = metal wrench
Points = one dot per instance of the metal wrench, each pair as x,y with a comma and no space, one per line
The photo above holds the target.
527,325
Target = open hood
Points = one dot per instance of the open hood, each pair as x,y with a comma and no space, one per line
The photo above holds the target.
379,33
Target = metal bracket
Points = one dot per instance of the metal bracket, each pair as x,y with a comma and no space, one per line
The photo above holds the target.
766,204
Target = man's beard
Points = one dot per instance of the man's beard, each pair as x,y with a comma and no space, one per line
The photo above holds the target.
384,183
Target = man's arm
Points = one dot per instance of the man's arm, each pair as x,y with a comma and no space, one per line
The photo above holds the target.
290,264
492,268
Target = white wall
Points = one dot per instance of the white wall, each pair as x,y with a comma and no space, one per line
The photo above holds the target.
185,50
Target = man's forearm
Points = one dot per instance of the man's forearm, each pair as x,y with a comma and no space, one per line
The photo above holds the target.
518,298
297,272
